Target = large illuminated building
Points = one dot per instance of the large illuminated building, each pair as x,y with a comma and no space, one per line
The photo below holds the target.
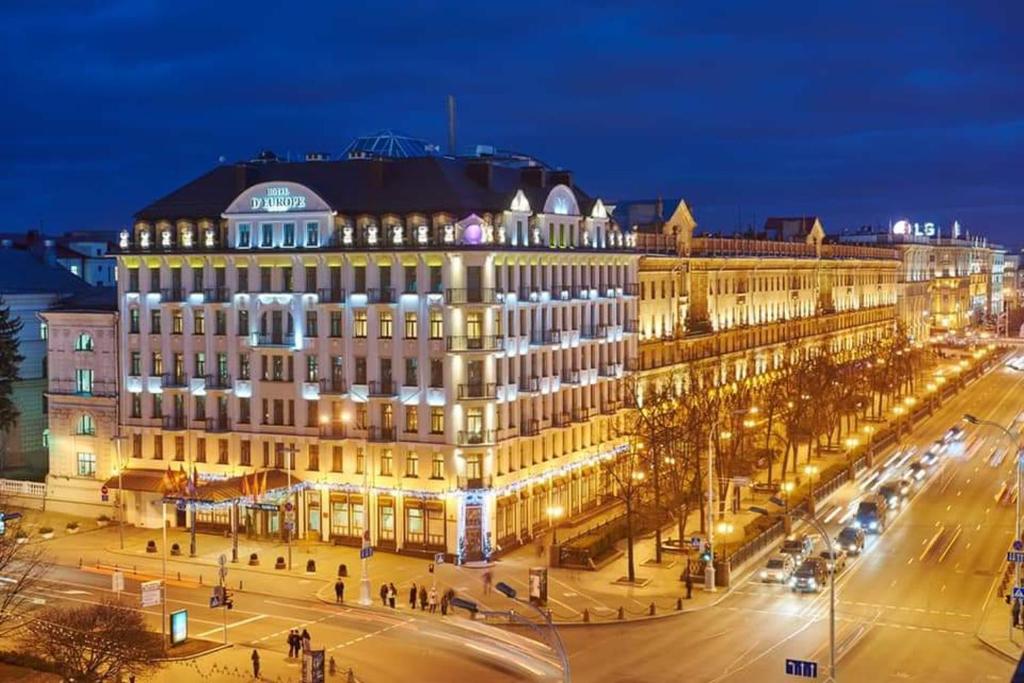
427,348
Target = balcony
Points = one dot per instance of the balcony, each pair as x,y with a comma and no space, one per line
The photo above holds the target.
172,380
380,434
581,292
631,327
485,295
385,387
380,295
219,383
581,415
611,370
591,332
217,295
484,343
632,364
530,293
467,483
478,390
529,385
174,423
529,428
476,438
274,341
333,430
611,406
173,294
332,295
570,377
220,423
546,337
70,387
561,419
330,386
631,289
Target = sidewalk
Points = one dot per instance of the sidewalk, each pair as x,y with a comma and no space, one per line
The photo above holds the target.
994,630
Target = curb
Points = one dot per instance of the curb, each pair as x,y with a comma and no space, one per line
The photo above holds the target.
996,649
197,655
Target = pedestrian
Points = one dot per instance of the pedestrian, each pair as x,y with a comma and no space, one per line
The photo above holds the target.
384,594
413,592
487,582
432,600
306,641
444,605
292,646
450,595
689,583
392,594
423,598
255,664
540,546
339,591
1016,612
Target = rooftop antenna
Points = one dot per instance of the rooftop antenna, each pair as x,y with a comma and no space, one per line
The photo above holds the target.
451,125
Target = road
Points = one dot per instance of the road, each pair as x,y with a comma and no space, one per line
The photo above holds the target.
907,609
378,645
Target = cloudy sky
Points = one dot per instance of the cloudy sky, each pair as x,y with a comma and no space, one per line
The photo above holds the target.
858,112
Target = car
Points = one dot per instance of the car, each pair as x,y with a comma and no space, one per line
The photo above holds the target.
872,514
799,547
929,458
939,446
835,559
954,433
917,470
851,539
810,576
778,569
890,491
904,485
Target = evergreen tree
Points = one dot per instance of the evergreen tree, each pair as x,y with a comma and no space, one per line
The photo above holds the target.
10,360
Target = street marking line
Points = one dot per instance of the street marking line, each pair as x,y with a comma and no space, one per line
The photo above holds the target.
230,625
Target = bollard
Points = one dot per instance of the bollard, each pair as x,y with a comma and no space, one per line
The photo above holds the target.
200,579
586,615
650,611
239,584
679,604
622,614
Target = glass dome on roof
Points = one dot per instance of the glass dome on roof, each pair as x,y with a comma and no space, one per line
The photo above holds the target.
389,144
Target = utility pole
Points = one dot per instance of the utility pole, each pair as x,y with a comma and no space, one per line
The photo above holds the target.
709,570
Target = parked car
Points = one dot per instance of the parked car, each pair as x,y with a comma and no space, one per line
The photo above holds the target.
851,539
810,576
778,569
799,547
835,561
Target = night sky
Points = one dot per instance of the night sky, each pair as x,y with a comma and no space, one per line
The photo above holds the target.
854,111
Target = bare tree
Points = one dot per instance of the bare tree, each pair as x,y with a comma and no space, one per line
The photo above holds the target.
22,565
628,482
94,642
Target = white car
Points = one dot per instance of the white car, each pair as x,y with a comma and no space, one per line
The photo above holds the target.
779,569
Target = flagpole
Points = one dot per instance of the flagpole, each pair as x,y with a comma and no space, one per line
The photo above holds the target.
163,584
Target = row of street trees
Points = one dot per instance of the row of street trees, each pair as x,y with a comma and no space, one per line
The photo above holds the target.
811,398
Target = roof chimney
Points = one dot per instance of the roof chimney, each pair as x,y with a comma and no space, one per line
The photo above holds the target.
481,171
534,175
561,177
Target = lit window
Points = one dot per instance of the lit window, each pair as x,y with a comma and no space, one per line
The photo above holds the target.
411,326
244,236
436,420
85,426
312,234
359,325
266,235
385,325
83,381
289,235
44,330
386,461
86,464
437,467
412,465
436,324
83,343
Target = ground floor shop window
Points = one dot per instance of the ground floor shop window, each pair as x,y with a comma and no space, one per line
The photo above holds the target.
386,528
347,516
414,528
435,526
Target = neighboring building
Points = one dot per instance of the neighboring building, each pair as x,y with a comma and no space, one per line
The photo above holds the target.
435,343
30,283
82,392
85,253
735,302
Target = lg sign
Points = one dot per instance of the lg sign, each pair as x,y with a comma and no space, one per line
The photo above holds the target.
918,229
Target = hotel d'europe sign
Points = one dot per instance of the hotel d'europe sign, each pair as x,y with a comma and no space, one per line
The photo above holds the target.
277,197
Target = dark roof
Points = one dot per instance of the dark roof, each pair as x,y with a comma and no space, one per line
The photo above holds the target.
646,214
100,299
461,186
22,272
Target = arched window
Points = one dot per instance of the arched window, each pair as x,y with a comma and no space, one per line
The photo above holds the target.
85,426
83,342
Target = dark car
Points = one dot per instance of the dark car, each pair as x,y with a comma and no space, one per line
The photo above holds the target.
892,493
798,546
810,576
851,540
955,433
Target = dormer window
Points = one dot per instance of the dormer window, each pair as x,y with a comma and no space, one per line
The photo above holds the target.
266,235
289,235
312,234
244,236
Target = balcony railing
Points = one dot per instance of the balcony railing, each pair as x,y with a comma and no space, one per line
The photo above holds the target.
529,385
611,406
380,434
173,294
546,337
330,386
631,327
581,415
380,295
478,390
218,382
277,341
631,289
474,482
529,428
172,380
71,387
331,295
484,295
561,419
333,430
385,387
570,377
173,423
611,370
581,292
217,295
530,293
484,343
476,438
218,424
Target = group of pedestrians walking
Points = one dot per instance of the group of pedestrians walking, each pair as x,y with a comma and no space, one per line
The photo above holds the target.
428,600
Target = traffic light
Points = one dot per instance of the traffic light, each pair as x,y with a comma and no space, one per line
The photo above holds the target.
430,568
706,555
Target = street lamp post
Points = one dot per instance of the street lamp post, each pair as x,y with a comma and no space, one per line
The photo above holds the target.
709,570
555,513
289,519
120,487
820,528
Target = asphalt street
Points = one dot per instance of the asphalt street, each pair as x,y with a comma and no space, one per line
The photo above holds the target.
907,609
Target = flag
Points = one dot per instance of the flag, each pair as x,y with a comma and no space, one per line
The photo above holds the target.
167,483
245,486
193,484
263,486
